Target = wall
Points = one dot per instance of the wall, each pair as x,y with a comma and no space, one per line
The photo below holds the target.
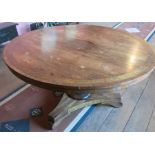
23,27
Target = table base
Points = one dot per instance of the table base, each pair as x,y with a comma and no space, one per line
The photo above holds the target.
68,105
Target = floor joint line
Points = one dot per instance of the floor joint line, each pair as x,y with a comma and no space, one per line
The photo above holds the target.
136,104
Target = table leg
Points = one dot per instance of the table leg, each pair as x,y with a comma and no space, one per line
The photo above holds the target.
68,105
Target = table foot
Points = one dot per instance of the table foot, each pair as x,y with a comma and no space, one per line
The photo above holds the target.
68,105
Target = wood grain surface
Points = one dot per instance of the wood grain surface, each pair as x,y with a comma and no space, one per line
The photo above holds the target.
8,82
79,57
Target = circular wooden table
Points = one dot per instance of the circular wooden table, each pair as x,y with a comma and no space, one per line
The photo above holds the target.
80,60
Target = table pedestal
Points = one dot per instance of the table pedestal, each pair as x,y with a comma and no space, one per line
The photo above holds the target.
68,105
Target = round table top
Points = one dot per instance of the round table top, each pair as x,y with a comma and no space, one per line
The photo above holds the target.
79,57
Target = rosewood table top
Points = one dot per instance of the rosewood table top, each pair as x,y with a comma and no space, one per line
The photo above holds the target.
79,57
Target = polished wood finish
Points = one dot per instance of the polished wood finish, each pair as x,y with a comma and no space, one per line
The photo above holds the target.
79,57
